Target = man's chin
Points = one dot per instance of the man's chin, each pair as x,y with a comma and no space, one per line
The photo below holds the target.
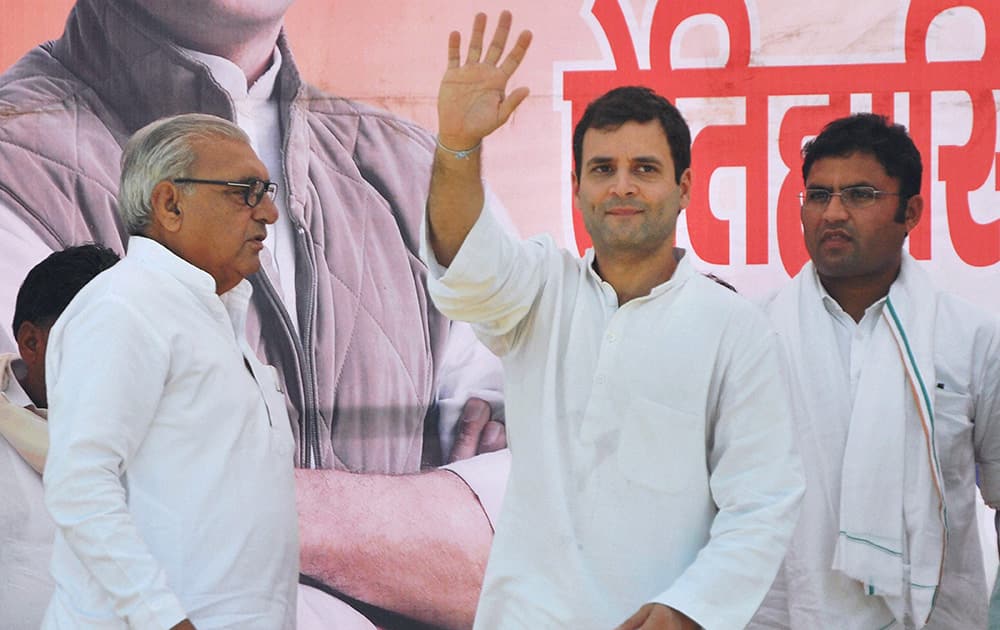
835,269
248,266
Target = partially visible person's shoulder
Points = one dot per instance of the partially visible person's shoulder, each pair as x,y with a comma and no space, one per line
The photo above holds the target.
720,294
37,81
723,307
39,85
48,112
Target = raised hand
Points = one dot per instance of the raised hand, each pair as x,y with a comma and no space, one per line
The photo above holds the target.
473,99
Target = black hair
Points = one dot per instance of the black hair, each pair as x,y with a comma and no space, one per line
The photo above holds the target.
874,135
51,284
635,104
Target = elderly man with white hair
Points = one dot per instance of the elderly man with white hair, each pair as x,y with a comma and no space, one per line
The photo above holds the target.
380,387
170,471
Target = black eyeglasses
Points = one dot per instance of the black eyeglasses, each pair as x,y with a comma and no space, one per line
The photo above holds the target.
253,189
852,197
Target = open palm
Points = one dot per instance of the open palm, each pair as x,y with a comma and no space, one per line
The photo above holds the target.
473,99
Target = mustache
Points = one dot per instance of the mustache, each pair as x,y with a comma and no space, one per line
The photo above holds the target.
622,203
836,232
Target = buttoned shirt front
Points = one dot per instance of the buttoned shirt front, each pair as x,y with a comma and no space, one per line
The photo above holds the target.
171,485
966,407
651,446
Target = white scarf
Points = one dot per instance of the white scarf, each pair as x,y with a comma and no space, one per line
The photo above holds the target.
875,461
25,430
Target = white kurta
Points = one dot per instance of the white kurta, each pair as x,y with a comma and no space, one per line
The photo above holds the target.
171,484
26,530
966,408
652,451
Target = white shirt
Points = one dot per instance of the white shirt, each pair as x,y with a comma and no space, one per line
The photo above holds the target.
853,338
172,486
966,400
26,529
651,444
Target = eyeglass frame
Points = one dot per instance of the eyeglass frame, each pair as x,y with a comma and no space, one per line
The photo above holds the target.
853,205
269,188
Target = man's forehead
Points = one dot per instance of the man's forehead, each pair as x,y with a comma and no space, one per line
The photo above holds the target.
632,137
227,153
856,165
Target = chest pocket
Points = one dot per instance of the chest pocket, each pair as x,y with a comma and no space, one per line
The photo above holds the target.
662,448
953,427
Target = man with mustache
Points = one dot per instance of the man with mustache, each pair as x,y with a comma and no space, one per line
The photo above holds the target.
653,483
172,487
375,377
896,394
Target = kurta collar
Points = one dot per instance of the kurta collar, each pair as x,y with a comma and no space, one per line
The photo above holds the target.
681,274
231,78
148,251
833,307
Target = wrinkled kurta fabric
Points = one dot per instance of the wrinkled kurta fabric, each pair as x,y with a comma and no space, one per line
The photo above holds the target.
172,489
651,444
959,346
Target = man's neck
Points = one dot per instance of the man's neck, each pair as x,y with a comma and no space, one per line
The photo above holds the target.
856,294
245,40
633,275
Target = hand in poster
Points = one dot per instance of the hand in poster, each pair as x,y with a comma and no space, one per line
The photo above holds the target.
658,617
477,432
473,99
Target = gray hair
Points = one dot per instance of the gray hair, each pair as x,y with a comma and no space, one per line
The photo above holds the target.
163,150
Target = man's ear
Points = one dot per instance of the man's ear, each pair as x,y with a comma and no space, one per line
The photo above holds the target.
685,188
165,199
913,211
31,339
576,187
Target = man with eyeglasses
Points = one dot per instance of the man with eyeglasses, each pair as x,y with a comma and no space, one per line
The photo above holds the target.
381,388
896,393
173,488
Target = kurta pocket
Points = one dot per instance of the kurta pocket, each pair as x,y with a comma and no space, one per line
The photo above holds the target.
661,448
953,427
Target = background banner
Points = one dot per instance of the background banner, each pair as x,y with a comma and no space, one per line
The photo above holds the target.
754,78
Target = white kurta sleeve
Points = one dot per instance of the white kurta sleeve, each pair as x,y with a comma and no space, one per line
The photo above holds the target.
756,481
986,410
492,282
486,475
106,369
